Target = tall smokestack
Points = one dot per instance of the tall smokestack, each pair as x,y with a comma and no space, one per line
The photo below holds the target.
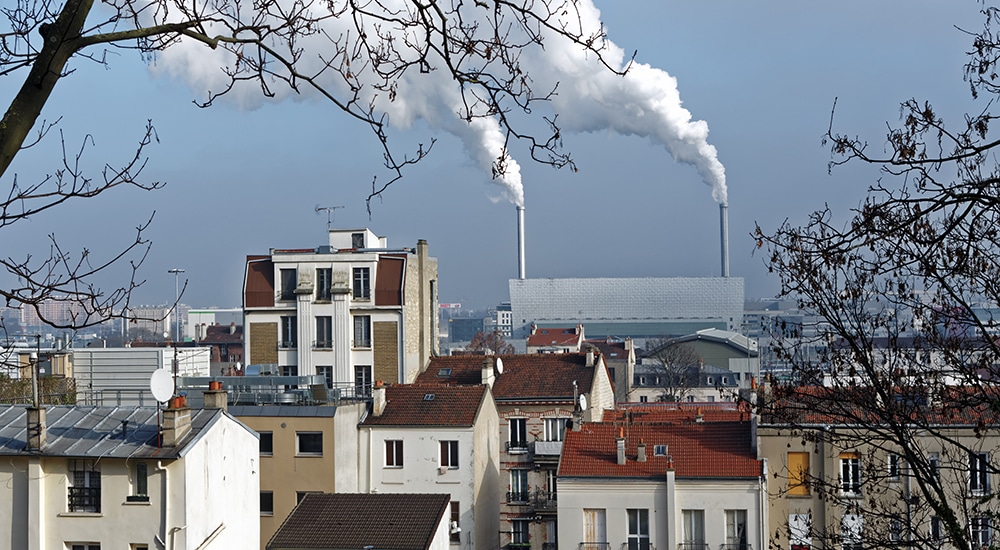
520,243
724,228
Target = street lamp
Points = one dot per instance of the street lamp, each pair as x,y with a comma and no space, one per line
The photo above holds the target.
177,299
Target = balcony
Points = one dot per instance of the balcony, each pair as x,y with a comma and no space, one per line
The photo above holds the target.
735,546
323,344
288,344
550,546
544,502
517,447
518,497
692,546
518,546
85,499
594,546
638,545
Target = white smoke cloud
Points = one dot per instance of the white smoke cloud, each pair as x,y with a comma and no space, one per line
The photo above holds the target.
645,102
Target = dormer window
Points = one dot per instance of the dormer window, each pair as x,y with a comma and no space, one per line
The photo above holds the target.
659,450
428,397
444,372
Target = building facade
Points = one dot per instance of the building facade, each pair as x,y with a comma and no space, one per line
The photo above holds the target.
354,311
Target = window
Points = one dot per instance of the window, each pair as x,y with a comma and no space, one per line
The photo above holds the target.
289,370
550,484
454,529
85,491
693,525
324,332
798,473
850,532
519,533
799,527
357,240
362,381
289,332
736,530
140,483
266,503
393,453
659,450
979,473
638,529
980,531
643,399
86,546
309,443
362,283
555,428
288,280
850,473
893,467
934,464
449,454
266,443
362,331
518,440
324,281
326,371
895,529
935,528
518,486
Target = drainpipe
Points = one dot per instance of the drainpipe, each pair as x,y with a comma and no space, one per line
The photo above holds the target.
166,505
762,504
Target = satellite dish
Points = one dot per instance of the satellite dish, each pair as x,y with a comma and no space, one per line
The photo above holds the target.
583,402
161,383
238,366
499,366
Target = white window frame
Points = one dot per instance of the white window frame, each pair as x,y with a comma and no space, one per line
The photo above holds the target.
449,454
979,473
362,331
850,475
893,466
361,283
393,453
638,528
555,428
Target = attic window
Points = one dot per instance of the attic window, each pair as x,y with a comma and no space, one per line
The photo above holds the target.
659,450
428,397
444,372
545,332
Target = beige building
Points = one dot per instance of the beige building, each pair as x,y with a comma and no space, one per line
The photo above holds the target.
303,449
353,310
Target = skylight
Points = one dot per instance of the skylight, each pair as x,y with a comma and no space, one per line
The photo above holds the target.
428,397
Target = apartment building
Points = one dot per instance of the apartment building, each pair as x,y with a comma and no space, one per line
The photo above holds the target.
353,310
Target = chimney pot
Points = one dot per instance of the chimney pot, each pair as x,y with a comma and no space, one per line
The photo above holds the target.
378,399
621,449
641,455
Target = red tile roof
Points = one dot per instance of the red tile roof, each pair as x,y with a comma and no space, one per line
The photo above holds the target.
539,377
720,450
348,520
429,405
544,337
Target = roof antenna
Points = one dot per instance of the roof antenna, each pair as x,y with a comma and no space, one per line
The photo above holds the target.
329,213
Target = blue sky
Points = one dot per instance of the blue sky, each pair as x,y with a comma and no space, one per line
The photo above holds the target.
762,75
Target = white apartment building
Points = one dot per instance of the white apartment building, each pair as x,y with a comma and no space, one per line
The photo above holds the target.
354,311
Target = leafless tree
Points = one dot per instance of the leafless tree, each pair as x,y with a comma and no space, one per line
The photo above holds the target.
270,44
673,367
905,297
491,342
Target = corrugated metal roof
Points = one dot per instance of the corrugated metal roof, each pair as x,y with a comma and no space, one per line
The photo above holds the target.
93,432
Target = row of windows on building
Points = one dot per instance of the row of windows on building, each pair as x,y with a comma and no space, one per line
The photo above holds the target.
360,283
324,332
637,534
850,481
362,377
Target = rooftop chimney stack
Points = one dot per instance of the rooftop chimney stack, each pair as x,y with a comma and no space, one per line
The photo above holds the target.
176,422
378,399
621,445
724,229
520,243
36,428
488,374
641,457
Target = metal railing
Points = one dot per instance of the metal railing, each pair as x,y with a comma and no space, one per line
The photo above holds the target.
518,497
550,546
544,500
638,545
517,447
692,546
322,344
85,499
735,546
594,546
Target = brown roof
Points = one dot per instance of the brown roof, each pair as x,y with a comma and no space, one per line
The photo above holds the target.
543,337
429,405
220,334
720,450
348,520
539,377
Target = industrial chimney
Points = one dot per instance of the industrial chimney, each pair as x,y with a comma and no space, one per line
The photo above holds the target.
724,229
520,243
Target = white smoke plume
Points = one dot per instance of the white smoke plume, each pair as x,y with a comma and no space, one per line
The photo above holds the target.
645,102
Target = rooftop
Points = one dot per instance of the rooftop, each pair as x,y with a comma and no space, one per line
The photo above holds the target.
429,405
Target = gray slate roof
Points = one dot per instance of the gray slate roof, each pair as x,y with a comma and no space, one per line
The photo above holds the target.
97,432
359,520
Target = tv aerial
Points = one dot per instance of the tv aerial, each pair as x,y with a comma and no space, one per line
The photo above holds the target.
329,213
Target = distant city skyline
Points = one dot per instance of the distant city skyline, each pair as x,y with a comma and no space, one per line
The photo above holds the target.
763,77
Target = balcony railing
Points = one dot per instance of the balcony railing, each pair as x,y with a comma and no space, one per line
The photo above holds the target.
550,546
735,546
85,499
594,546
692,546
548,448
518,497
288,345
323,344
638,545
544,500
517,447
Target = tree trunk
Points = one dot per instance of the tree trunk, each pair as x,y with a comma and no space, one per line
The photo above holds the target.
60,43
